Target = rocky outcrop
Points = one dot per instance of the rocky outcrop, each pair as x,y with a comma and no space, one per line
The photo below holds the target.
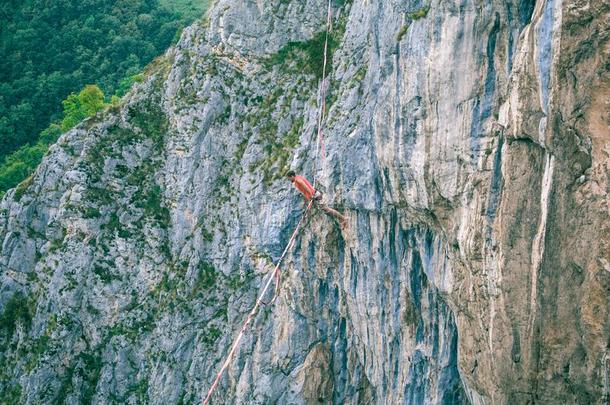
466,142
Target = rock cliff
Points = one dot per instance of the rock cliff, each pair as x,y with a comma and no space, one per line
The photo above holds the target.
468,144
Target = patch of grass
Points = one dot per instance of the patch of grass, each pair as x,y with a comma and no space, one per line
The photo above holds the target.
226,114
166,284
419,14
141,390
360,74
90,372
241,149
210,335
91,212
277,152
152,122
113,223
402,31
92,310
32,276
39,347
17,310
206,235
412,16
10,394
87,367
57,244
151,200
308,56
206,277
133,329
236,282
99,195
22,187
104,274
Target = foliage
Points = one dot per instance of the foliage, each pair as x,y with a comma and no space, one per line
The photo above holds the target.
17,310
402,32
418,14
20,164
206,276
10,395
308,55
78,107
277,152
210,335
187,8
51,49
126,83
413,16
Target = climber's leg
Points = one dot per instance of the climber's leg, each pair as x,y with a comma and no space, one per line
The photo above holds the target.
334,213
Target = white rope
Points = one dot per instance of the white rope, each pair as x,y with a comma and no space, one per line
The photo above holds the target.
254,310
275,272
322,97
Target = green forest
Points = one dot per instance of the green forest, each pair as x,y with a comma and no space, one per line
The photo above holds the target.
62,61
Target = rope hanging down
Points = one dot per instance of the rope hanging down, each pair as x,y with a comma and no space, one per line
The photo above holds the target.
322,97
259,302
276,271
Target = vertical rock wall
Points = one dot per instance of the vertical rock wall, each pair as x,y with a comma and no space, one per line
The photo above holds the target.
467,144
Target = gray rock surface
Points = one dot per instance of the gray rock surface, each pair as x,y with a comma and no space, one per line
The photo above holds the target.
466,141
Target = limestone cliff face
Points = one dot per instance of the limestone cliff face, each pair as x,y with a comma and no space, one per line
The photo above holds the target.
466,141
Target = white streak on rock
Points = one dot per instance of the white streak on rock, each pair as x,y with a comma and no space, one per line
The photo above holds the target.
539,239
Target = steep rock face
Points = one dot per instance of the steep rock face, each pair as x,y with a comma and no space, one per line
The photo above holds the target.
466,142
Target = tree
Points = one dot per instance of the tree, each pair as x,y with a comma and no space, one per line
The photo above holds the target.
78,107
21,163
49,49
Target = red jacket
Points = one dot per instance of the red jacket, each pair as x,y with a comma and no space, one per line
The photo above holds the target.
304,187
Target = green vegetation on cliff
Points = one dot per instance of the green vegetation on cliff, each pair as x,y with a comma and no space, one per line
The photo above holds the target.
50,51
20,164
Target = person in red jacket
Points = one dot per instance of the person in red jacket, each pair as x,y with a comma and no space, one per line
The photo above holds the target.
304,186
310,192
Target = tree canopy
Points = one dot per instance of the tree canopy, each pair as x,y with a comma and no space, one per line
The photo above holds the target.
50,49
21,163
